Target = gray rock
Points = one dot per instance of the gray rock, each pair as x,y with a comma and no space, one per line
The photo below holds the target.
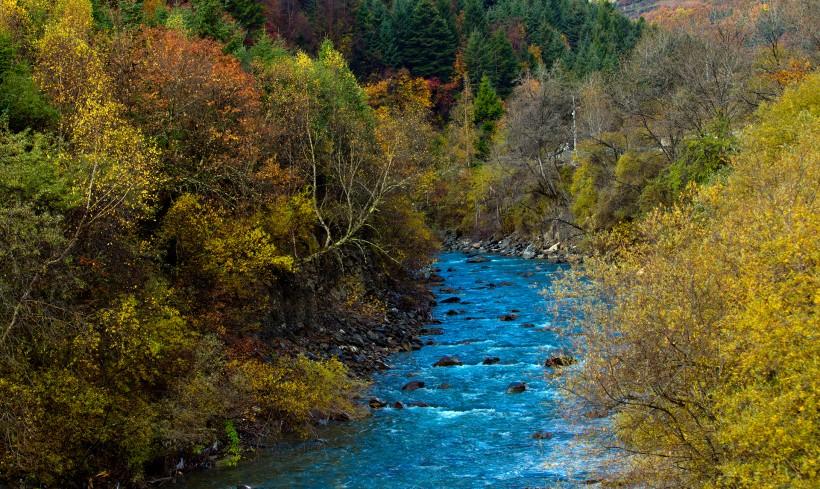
516,387
413,385
376,403
447,361
542,435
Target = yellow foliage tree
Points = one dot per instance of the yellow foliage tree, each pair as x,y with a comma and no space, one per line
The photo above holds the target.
702,335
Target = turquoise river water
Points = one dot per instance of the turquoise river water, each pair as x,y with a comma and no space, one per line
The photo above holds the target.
473,434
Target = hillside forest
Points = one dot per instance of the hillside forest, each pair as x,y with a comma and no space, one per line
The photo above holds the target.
201,201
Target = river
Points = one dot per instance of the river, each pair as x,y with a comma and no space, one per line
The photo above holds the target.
473,433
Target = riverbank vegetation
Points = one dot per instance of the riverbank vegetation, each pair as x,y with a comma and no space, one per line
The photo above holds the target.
700,322
207,206
169,198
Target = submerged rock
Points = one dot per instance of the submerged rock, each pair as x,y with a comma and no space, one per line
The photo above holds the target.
542,435
477,259
444,386
413,385
509,317
418,404
398,405
448,361
490,361
451,300
516,387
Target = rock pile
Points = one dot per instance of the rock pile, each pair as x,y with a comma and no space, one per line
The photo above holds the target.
514,245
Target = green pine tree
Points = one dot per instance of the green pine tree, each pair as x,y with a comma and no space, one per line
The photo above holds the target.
388,48
429,48
476,56
552,45
504,65
488,109
475,18
248,13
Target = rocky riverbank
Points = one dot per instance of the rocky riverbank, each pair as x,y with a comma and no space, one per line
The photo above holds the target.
516,245
361,341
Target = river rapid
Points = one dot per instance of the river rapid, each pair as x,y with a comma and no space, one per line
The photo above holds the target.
468,431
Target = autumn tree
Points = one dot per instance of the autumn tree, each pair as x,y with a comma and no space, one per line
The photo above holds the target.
697,326
200,106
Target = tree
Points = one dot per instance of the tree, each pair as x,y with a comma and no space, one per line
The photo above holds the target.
461,131
368,51
20,99
212,143
476,57
539,125
429,46
552,45
249,13
473,18
208,19
697,324
487,110
502,63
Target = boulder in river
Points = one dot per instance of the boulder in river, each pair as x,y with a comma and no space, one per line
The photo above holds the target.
376,403
398,405
452,312
527,325
516,387
541,435
447,361
418,404
559,361
413,385
490,361
451,300
477,259
509,317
